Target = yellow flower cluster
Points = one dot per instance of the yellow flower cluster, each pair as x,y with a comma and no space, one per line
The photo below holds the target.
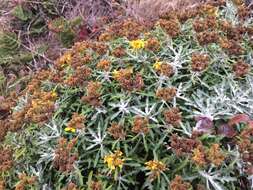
65,59
199,156
116,74
70,129
210,10
54,94
157,65
114,160
137,44
155,165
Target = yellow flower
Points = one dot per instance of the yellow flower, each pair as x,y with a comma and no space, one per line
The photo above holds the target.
54,94
115,74
199,155
215,155
114,160
70,129
211,10
155,165
157,65
65,59
122,72
137,44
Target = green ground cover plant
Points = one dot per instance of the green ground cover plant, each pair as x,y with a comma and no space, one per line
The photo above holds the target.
163,108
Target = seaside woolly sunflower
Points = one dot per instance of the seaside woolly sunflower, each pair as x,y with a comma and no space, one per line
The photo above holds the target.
157,65
155,167
114,160
182,92
137,44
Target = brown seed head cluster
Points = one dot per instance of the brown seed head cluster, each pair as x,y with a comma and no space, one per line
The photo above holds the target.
81,47
6,159
241,68
173,116
238,2
169,15
199,157
183,146
14,122
40,107
117,131
208,9
200,187
77,121
243,12
7,104
199,62
96,185
165,69
178,184
245,144
25,181
93,94
105,37
100,48
216,3
128,28
78,60
140,125
129,81
64,60
208,23
71,68
104,65
207,37
213,155
232,47
249,31
2,185
3,129
71,186
65,155
172,27
119,52
184,15
36,81
166,94
232,32
152,44
78,77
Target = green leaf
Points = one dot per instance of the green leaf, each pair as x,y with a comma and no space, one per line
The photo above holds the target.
80,177
19,12
89,179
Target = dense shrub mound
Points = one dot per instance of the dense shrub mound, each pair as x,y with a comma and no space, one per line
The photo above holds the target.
166,108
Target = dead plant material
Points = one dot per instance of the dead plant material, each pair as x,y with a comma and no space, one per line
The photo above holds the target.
149,11
65,156
207,37
173,116
171,26
241,68
140,125
199,62
117,131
